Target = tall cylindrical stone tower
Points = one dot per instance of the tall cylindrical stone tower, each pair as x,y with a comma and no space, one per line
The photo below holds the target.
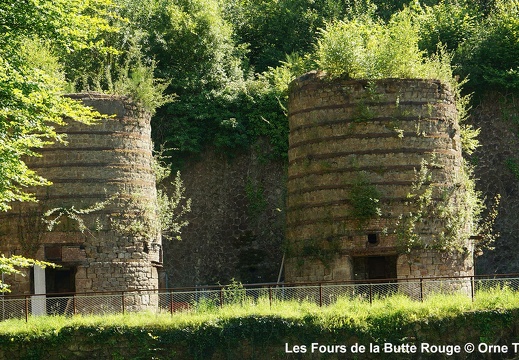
103,195
375,180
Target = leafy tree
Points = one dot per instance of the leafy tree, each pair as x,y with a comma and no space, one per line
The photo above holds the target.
193,45
218,104
69,24
12,265
272,29
490,58
449,23
32,84
121,66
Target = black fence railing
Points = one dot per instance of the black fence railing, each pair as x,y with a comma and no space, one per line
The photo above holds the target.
203,297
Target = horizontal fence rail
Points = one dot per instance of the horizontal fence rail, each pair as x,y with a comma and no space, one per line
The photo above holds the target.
201,298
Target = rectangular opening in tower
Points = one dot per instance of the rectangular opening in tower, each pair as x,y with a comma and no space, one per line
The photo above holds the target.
59,281
374,267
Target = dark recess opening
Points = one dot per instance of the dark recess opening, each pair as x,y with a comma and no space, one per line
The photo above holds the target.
373,239
374,267
59,281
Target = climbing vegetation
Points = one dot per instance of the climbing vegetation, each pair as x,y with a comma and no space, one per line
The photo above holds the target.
365,201
458,210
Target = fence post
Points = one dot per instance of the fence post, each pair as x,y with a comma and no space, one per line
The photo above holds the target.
270,296
74,304
122,299
26,308
221,297
171,302
320,295
370,293
472,287
421,289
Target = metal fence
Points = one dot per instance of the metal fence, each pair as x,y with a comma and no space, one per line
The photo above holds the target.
205,297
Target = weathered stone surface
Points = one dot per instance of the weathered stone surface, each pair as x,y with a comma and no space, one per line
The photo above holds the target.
236,225
110,160
496,164
379,132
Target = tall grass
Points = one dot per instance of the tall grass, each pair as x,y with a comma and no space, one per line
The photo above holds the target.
391,311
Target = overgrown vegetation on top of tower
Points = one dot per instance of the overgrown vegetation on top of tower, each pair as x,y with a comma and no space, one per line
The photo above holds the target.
276,41
367,48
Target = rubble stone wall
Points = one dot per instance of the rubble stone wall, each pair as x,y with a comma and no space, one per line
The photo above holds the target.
236,224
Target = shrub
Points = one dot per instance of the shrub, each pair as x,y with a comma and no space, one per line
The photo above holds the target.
367,48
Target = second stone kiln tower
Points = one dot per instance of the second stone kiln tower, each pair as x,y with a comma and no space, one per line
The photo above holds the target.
374,180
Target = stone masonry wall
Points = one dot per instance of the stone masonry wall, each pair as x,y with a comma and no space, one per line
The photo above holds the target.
236,225
496,164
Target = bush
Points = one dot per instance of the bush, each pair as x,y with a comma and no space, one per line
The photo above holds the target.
364,48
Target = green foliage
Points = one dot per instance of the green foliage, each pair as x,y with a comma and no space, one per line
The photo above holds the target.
12,265
458,208
123,67
147,219
262,329
491,56
138,82
234,293
366,48
173,208
231,120
344,47
449,23
32,83
53,217
365,201
273,29
139,217
485,228
172,205
193,44
71,25
217,104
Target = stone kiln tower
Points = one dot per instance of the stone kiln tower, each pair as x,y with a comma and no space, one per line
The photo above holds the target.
102,180
375,169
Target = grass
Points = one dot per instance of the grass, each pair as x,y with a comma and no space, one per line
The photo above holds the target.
392,311
257,330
